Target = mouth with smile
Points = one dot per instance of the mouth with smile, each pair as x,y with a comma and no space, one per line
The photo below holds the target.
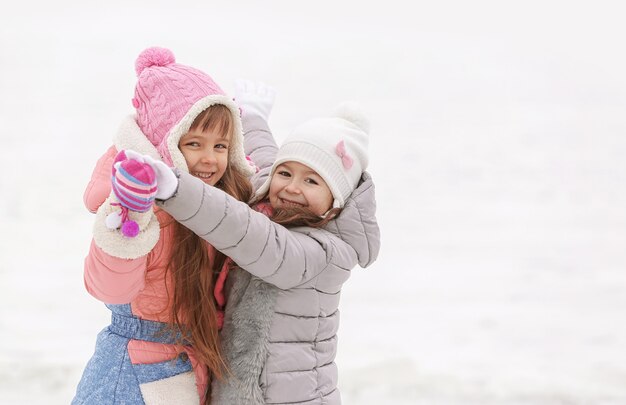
203,175
290,204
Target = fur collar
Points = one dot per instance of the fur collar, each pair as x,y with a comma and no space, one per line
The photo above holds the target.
129,136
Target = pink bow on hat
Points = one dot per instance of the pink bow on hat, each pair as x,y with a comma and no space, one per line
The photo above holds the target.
346,160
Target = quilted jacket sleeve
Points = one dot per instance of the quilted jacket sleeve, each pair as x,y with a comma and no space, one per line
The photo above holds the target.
99,186
283,257
260,145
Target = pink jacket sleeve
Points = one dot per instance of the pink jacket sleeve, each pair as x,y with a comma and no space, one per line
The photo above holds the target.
99,186
113,280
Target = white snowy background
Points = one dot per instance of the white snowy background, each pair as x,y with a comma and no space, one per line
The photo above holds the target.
497,146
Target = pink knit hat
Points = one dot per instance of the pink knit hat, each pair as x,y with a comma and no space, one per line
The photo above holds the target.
168,98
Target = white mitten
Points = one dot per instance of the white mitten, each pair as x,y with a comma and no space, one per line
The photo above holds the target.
254,97
167,182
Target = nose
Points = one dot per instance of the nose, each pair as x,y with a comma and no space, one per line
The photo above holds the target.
208,157
292,188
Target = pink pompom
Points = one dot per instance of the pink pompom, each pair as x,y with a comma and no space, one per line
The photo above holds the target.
153,57
130,229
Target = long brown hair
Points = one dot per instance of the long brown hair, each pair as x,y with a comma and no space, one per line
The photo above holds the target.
298,216
194,310
303,217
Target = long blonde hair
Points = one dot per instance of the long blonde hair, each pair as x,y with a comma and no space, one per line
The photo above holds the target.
194,310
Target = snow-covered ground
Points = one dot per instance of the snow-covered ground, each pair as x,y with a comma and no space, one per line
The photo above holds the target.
497,147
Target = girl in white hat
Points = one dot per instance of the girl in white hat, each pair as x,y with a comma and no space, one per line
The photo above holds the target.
316,222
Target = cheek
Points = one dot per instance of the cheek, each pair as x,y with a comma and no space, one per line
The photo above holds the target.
223,161
189,157
330,201
272,195
274,185
326,200
272,191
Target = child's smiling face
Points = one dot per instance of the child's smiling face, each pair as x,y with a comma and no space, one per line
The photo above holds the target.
295,185
206,153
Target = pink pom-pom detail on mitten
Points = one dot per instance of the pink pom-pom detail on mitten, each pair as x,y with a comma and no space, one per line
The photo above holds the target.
154,56
130,229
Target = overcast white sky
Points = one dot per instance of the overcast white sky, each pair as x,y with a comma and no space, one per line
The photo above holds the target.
497,147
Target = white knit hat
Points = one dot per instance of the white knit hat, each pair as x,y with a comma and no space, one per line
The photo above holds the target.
335,147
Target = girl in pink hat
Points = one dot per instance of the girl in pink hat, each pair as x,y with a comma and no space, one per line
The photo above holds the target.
153,274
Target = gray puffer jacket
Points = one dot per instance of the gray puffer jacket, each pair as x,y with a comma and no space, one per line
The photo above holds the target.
280,328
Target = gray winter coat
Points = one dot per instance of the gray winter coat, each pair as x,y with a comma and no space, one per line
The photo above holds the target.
280,329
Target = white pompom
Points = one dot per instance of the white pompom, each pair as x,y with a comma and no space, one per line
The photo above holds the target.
351,112
113,220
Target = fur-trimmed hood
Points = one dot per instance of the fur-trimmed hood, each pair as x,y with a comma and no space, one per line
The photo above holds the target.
129,136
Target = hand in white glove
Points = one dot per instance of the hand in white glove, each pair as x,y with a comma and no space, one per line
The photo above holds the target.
254,97
167,182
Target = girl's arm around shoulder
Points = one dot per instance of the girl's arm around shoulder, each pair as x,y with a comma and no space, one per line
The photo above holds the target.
283,257
357,223
259,142
259,145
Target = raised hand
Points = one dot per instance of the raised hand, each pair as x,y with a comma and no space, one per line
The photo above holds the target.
134,185
167,182
254,97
